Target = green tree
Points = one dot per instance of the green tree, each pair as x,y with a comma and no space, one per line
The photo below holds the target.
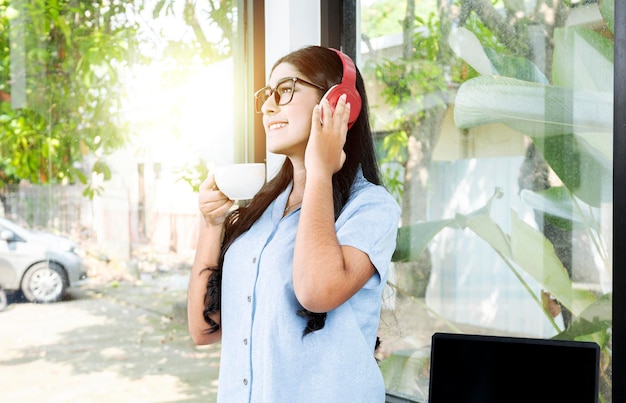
418,87
60,85
196,15
503,32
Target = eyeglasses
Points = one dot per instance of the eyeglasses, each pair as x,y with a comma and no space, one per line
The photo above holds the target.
283,92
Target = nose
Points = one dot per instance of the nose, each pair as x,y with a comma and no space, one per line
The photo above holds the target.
270,105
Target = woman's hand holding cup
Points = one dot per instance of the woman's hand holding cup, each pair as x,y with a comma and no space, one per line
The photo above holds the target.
212,202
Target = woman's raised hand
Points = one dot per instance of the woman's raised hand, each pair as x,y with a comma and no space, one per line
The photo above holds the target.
212,202
324,151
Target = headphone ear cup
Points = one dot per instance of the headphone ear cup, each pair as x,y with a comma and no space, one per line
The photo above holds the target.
352,96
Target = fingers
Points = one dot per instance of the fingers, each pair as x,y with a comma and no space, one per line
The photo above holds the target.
342,112
324,151
213,204
338,117
208,183
317,116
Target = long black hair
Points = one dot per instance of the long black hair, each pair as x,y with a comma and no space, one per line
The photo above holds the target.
324,67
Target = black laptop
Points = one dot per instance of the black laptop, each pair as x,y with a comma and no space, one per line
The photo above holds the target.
492,369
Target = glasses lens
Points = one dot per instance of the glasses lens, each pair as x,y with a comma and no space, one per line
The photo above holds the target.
260,97
284,91
282,94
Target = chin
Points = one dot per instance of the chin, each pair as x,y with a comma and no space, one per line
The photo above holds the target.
277,143
285,145
272,145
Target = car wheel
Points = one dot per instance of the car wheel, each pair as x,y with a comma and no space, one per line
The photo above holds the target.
44,282
3,300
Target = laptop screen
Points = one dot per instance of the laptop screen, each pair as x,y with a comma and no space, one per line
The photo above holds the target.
490,369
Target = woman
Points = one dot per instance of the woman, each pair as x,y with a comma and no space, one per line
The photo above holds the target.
291,284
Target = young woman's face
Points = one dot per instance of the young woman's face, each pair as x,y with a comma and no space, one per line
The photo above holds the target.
287,127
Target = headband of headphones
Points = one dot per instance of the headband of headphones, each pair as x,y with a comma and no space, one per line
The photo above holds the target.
348,87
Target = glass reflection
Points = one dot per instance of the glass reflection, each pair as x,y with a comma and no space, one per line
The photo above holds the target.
497,138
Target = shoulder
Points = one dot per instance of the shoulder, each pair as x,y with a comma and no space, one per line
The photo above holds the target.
367,194
369,222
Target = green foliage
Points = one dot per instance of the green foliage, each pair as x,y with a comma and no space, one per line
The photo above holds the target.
524,248
401,367
415,77
577,146
384,17
71,53
411,87
194,174
199,17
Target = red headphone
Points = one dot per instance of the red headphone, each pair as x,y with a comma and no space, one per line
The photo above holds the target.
346,86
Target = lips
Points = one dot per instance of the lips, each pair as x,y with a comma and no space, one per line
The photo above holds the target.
276,125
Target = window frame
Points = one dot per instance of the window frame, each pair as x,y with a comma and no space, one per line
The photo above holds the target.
619,201
249,64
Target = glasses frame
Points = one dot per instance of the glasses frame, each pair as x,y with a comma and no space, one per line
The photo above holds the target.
258,102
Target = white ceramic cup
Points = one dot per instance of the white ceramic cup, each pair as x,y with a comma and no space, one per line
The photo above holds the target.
240,181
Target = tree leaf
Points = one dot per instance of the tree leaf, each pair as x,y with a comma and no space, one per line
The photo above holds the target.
557,202
413,239
537,111
515,67
403,368
597,317
466,46
585,171
536,256
583,60
531,108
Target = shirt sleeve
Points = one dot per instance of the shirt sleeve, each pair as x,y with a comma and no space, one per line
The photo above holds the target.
369,222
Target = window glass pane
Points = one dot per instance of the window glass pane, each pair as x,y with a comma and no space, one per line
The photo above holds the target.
494,123
111,113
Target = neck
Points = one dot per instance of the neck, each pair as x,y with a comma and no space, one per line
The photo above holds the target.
299,179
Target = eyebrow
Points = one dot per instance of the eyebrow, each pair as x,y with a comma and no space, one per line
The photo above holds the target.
282,80
290,78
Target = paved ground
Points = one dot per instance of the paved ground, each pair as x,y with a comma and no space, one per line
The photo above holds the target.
119,342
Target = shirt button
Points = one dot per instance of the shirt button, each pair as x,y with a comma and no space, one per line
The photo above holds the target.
254,259
245,381
249,298
245,342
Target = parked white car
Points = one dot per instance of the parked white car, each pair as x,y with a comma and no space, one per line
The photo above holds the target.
3,299
40,264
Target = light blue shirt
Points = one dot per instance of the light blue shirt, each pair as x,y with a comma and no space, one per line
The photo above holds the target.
265,358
